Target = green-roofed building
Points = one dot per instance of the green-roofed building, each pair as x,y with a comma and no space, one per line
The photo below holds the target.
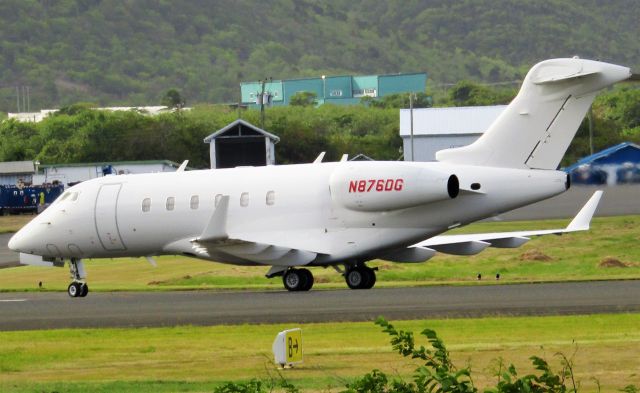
340,90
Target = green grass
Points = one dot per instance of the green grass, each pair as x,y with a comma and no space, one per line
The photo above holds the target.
13,223
574,256
198,358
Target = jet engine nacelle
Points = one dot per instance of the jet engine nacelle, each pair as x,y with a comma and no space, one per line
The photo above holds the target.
390,187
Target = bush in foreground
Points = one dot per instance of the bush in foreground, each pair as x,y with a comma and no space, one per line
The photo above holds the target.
438,374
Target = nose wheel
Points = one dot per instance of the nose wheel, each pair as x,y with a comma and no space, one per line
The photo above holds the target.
78,288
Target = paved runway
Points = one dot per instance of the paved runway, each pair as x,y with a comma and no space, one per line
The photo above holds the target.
24,311
616,201
8,258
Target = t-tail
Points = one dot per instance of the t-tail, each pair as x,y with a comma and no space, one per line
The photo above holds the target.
535,130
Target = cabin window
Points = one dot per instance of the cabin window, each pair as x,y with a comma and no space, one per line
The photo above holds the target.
195,201
74,197
217,199
244,199
171,203
271,198
146,205
64,196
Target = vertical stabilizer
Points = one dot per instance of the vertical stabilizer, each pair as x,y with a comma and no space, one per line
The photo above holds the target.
535,130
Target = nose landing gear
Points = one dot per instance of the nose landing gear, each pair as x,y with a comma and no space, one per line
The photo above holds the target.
78,288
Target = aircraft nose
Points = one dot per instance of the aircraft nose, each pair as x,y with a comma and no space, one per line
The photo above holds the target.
14,242
24,240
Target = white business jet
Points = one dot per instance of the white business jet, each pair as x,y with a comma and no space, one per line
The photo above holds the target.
339,214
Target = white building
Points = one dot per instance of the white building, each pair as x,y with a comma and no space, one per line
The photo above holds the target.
36,117
443,128
73,173
14,172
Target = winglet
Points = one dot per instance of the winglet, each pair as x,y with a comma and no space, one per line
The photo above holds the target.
319,158
182,166
217,227
583,218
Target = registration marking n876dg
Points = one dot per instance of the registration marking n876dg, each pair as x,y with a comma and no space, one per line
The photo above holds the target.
376,185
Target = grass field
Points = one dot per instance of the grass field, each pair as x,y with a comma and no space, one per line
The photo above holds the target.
198,358
575,256
13,223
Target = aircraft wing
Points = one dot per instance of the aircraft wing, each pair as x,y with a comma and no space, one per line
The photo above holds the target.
470,244
216,243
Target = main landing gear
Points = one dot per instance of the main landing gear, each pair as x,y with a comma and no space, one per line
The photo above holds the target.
357,276
360,276
297,280
78,288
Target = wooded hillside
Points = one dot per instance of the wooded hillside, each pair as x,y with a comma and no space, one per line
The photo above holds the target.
130,52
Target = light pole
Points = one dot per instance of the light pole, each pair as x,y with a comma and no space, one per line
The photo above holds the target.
324,88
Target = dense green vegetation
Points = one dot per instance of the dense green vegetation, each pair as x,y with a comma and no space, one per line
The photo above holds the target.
132,52
79,134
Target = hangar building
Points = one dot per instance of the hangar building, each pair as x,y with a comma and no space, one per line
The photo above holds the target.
339,90
619,164
443,128
240,143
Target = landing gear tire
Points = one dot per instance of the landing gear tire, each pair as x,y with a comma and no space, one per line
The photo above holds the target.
74,289
360,277
371,277
85,289
308,284
78,288
297,280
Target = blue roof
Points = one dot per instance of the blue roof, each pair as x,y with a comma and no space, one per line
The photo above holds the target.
603,153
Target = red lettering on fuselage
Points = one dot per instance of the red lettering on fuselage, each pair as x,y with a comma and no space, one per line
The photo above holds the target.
376,185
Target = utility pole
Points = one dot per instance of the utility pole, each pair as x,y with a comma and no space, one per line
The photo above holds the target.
590,118
262,101
411,122
262,105
18,98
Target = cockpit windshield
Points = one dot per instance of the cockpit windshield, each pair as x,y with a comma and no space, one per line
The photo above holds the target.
71,196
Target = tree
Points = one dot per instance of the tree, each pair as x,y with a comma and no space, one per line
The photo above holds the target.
173,99
303,98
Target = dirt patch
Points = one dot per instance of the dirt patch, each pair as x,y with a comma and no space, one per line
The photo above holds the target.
535,255
612,262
